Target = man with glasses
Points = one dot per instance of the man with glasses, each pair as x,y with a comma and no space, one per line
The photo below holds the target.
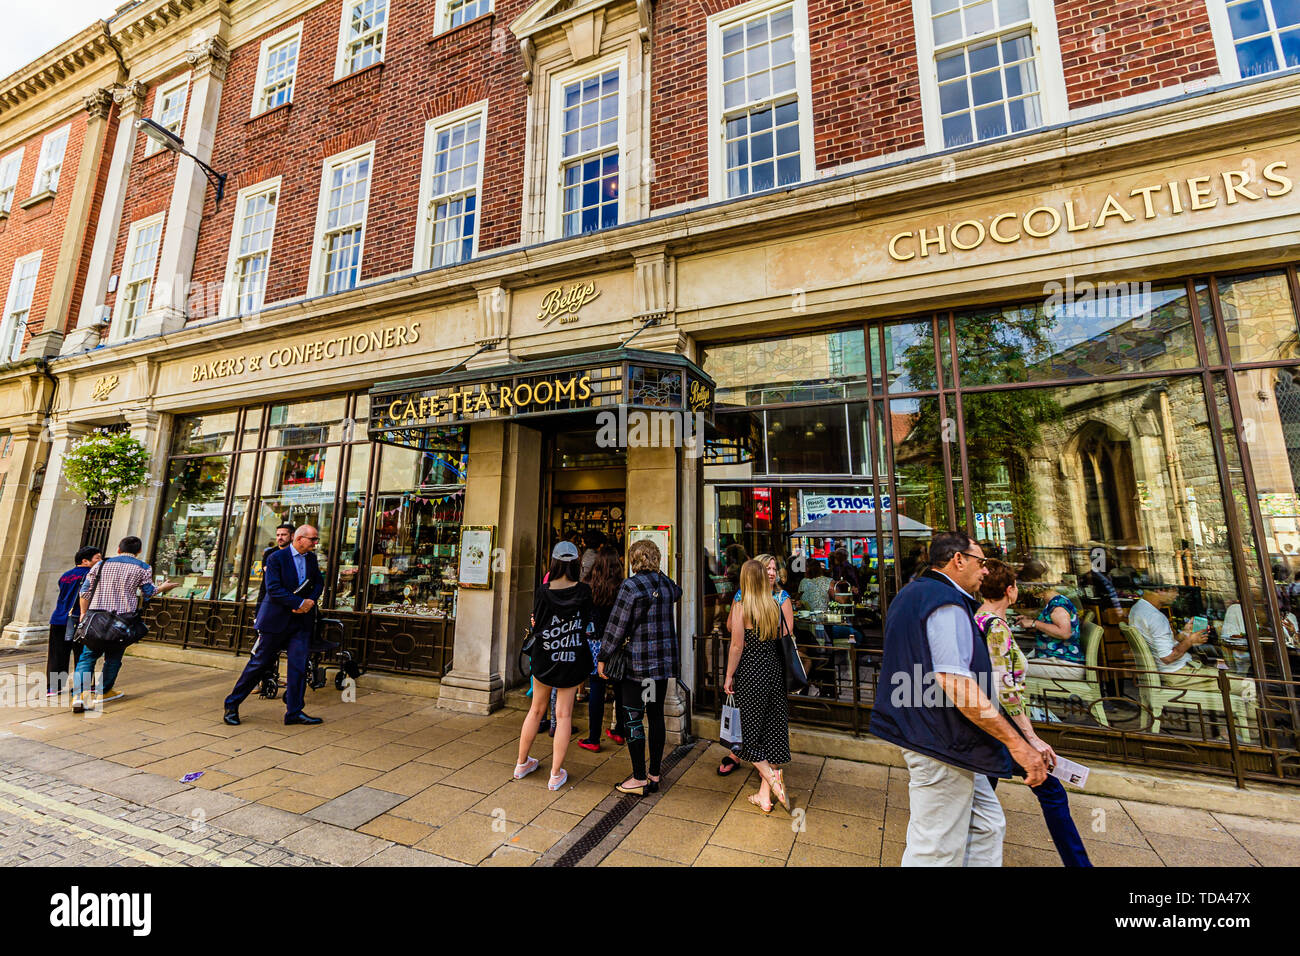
955,740
285,621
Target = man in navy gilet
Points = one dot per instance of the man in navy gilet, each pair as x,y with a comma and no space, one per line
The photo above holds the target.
933,700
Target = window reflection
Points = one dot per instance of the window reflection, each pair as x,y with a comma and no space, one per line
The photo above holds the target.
191,522
1080,330
801,368
1259,317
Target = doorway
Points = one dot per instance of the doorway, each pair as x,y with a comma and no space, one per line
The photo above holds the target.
584,490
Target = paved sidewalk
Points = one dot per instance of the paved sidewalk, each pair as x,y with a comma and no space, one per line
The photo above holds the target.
392,780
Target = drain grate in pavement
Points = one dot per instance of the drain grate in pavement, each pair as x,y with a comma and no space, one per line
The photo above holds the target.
606,824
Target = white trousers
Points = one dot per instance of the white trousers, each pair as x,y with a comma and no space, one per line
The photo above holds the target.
956,819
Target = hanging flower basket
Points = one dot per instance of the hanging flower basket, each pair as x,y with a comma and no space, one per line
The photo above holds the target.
104,467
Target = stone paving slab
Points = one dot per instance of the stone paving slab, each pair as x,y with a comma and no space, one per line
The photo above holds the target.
356,807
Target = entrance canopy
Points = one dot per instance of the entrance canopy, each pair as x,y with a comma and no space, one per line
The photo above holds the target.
857,524
418,412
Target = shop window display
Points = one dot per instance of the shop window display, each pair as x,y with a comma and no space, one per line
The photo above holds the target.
350,580
412,567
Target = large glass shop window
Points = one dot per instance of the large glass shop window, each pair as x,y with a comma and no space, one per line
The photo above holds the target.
419,504
193,503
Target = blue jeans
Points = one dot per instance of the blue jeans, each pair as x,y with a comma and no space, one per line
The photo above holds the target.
1055,803
84,677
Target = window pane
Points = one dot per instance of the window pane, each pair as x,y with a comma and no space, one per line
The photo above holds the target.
1082,329
191,522
908,360
420,500
1259,317
204,434
1109,497
311,422
816,366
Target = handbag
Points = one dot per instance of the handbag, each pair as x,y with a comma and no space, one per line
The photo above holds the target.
105,631
619,662
796,678
729,729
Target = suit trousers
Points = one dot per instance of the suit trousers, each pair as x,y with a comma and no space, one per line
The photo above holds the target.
269,646
955,817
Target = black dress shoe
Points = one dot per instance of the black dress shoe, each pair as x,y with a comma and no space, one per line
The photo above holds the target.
302,719
231,716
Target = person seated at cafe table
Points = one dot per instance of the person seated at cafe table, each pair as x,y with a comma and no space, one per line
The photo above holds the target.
1057,651
815,588
1177,668
842,568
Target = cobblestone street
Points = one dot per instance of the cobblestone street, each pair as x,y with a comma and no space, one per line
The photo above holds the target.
392,780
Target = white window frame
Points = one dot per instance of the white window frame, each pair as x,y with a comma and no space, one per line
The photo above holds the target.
423,258
442,14
316,274
116,332
340,59
12,161
230,299
183,84
717,23
1226,49
554,216
1052,97
258,105
6,329
43,164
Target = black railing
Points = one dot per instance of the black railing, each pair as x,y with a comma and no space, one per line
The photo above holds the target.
1238,727
384,643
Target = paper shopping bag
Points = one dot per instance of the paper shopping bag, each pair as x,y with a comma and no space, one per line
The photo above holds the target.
730,721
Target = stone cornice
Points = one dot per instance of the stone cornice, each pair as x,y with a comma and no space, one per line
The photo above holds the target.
1159,135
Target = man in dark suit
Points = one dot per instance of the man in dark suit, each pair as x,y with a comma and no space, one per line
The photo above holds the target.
283,535
285,621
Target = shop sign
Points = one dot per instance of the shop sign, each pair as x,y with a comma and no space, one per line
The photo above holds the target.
818,506
561,305
309,353
492,398
104,386
1156,200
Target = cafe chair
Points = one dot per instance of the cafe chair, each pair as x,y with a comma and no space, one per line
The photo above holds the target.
1155,696
1087,690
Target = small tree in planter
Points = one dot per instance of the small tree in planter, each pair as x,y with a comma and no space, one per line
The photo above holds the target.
104,467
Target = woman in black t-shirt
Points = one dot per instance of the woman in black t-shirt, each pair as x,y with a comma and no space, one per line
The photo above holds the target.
560,657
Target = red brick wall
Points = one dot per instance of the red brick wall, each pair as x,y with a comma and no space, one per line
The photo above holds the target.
865,88
1143,46
422,77
40,227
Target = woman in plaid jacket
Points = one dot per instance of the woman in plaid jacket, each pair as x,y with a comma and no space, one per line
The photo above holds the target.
644,617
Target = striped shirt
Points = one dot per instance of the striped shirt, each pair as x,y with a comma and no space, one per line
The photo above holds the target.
114,583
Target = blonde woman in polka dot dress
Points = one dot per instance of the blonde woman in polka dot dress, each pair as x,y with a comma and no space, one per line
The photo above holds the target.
756,675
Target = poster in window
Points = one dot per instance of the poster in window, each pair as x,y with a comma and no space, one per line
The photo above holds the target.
661,535
476,543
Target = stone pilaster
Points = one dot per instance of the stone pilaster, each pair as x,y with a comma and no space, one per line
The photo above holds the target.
168,310
26,456
55,537
501,491
137,515
129,99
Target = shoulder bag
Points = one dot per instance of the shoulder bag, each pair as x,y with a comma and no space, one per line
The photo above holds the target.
620,658
796,678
